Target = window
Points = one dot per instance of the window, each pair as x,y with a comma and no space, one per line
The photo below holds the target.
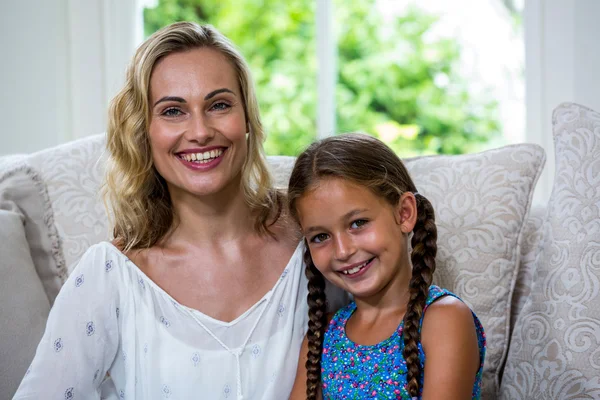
428,77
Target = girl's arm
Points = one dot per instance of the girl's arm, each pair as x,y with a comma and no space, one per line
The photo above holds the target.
81,337
451,350
299,389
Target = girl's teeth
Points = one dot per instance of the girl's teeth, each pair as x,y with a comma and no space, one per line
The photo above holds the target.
354,270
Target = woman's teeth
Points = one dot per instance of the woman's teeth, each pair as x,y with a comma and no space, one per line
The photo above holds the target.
354,270
202,158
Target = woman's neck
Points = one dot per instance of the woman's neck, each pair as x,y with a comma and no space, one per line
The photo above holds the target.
221,217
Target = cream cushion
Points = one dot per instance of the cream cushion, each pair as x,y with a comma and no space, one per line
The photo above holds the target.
555,348
23,190
481,203
24,303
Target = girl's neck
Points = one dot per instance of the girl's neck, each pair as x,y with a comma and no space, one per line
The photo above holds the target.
390,300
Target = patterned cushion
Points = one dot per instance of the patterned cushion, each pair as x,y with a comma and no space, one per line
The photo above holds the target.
555,347
481,202
72,173
530,250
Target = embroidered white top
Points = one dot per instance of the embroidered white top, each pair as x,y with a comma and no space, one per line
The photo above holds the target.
114,334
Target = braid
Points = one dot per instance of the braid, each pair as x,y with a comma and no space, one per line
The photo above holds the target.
423,261
316,326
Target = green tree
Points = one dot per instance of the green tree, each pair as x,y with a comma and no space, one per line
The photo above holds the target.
392,82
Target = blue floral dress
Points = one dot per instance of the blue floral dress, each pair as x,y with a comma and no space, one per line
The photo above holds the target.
352,371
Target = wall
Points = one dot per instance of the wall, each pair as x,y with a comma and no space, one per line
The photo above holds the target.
562,61
62,62
34,78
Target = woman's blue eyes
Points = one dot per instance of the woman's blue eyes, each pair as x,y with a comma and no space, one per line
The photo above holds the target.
175,112
220,106
172,112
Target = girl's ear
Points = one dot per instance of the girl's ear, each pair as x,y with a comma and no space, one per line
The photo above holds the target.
406,212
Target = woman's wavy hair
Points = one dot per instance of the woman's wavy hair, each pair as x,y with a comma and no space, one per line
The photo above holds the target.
368,162
134,191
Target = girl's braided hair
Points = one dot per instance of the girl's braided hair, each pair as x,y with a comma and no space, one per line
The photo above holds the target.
366,161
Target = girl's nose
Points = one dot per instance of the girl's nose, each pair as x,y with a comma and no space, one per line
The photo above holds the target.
344,247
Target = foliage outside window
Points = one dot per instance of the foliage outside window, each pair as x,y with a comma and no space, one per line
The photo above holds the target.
393,82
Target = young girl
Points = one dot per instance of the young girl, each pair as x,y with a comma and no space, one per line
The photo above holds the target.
357,207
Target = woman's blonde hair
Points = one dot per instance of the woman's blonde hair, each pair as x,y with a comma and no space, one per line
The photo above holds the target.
134,191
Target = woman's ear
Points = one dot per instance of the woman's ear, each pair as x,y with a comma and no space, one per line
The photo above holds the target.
406,212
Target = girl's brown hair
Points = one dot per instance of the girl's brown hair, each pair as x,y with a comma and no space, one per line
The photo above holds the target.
138,198
366,161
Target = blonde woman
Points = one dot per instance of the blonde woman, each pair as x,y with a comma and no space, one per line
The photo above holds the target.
202,292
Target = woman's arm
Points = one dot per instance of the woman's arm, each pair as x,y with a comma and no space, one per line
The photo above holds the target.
81,337
451,350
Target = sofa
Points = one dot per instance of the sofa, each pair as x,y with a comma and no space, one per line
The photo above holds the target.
532,274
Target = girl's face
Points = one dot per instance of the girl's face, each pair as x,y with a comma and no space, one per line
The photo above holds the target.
198,125
357,240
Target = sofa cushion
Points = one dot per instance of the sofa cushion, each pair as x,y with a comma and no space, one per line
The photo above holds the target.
24,303
530,250
481,202
555,348
22,190
73,173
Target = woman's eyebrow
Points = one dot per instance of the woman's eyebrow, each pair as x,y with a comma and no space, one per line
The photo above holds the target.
170,98
216,92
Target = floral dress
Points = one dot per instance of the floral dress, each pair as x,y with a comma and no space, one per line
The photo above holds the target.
352,371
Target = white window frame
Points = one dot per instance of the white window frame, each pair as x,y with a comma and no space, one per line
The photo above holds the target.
560,45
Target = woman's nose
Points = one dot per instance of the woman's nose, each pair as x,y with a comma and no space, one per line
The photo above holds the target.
199,130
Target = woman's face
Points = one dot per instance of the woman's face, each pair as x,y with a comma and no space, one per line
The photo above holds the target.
197,124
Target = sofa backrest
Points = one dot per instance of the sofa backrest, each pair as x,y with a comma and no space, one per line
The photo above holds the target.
481,200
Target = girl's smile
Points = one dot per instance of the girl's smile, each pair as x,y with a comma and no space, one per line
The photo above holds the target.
356,238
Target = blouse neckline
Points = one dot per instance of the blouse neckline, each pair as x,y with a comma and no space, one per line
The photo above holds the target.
199,313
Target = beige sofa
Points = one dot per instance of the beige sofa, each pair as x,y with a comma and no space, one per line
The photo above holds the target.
531,275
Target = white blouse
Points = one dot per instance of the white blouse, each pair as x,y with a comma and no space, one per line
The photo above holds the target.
114,334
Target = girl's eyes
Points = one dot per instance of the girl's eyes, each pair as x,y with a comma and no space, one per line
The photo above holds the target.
319,238
358,223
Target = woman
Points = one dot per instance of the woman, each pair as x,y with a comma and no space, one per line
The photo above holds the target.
202,292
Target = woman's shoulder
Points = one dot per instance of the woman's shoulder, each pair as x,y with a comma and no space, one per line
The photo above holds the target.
99,260
103,251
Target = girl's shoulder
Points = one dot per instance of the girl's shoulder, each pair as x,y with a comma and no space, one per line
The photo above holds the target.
441,300
341,316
